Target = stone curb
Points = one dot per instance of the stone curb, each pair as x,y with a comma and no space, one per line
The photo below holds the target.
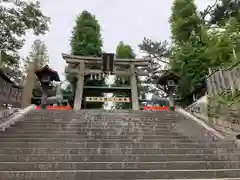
16,116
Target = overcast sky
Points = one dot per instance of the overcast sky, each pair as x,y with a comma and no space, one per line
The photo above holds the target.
121,20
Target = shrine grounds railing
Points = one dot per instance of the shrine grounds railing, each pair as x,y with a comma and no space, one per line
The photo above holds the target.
10,93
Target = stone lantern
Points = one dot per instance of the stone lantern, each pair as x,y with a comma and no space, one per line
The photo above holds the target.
168,81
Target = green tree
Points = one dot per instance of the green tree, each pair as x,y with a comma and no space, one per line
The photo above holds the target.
86,41
14,23
123,51
205,47
188,58
38,55
225,10
157,52
184,20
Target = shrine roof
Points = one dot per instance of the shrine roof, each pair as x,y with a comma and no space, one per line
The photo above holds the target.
165,76
7,79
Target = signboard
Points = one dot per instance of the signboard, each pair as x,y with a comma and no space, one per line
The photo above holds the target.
103,99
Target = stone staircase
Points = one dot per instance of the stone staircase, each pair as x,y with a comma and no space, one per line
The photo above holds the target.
101,145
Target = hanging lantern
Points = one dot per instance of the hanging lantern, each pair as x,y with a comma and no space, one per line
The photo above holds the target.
95,77
91,77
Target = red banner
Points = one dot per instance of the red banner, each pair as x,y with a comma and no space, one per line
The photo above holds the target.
158,108
56,107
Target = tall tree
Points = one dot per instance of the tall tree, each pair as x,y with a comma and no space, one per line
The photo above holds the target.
86,41
38,55
14,23
184,20
188,58
123,51
86,37
157,52
225,10
205,47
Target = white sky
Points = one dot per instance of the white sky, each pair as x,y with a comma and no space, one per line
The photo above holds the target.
121,20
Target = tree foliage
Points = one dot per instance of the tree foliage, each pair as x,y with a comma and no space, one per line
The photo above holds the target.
123,51
86,37
184,20
196,44
86,41
157,52
38,55
15,22
225,10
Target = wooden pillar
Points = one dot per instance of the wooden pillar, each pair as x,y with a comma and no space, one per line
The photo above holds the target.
134,89
79,87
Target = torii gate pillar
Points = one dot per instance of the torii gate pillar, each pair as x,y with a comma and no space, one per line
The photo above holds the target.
79,88
134,89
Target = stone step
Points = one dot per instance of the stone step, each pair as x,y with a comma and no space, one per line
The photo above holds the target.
119,174
115,157
93,118
87,135
98,136
81,123
97,124
85,140
112,151
31,132
157,145
76,128
102,117
171,165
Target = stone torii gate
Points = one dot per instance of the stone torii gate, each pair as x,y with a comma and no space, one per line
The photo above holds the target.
107,64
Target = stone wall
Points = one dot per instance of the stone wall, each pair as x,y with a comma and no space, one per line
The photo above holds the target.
221,106
223,100
224,113
224,80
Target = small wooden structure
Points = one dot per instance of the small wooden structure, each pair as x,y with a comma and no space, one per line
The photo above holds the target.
167,81
10,93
